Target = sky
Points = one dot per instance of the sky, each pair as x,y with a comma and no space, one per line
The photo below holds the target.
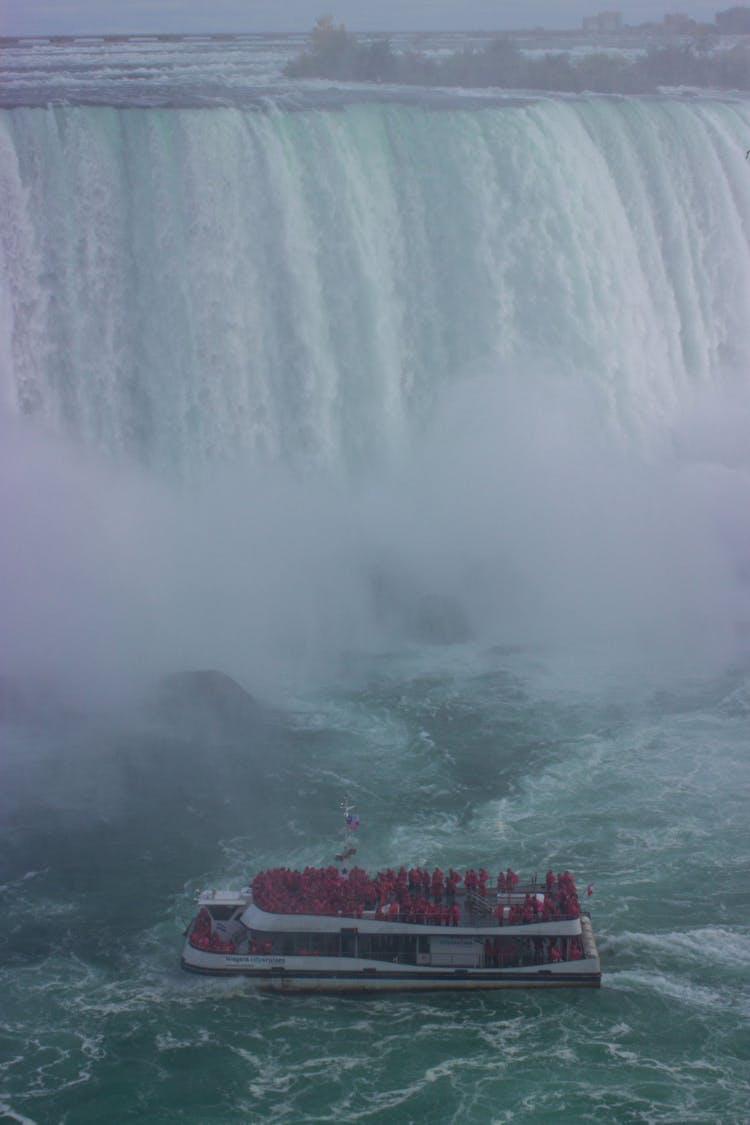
48,17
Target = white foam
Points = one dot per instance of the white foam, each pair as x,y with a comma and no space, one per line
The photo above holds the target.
8,1111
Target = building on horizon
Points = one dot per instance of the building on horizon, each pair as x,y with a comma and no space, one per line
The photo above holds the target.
676,23
734,21
605,23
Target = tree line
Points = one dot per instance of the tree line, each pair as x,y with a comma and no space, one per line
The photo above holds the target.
337,54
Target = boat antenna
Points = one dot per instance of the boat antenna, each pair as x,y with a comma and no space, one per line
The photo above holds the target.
351,824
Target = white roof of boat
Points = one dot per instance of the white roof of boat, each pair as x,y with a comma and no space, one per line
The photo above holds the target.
256,919
223,898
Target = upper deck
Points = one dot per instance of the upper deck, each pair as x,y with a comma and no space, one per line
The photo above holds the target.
326,898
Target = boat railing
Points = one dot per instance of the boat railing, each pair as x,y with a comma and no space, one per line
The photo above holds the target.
481,912
479,905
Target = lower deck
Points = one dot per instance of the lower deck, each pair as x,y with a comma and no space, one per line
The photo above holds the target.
221,930
351,961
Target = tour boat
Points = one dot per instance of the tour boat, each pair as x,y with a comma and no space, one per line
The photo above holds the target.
338,929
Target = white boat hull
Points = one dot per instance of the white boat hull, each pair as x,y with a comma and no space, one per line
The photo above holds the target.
327,974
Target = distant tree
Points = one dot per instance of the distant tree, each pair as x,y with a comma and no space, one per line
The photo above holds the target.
610,74
378,62
327,39
414,67
501,63
731,69
334,53
329,53
553,71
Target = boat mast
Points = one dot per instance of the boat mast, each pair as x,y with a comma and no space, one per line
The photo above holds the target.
351,822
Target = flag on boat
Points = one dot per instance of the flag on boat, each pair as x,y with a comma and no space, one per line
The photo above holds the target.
352,821
590,889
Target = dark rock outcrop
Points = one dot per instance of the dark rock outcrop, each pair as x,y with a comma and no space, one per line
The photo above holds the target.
206,697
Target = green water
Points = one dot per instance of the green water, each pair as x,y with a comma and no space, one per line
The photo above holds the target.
497,761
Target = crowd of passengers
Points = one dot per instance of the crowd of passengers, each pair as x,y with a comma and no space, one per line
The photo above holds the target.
203,936
502,953
417,895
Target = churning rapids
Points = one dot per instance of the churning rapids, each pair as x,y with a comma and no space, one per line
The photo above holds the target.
422,420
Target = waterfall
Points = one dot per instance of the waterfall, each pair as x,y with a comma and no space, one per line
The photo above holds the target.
185,286
282,383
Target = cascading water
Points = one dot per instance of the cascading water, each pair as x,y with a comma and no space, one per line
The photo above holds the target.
425,417
451,317
181,286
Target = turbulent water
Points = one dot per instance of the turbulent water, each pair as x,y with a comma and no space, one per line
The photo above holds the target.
424,417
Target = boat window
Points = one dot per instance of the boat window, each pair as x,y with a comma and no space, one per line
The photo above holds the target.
295,944
388,947
348,944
